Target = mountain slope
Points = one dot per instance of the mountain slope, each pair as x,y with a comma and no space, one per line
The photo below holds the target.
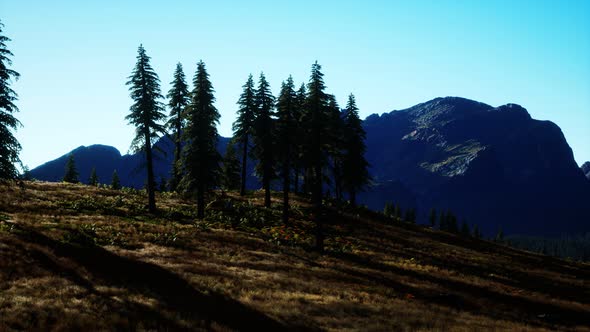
492,166
74,257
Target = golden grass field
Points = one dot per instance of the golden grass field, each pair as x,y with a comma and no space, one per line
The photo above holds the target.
74,257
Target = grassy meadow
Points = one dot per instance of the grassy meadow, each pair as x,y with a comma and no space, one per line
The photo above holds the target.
75,257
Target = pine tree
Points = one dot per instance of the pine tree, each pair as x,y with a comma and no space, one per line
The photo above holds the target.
286,134
179,99
93,180
200,157
71,173
476,233
389,210
230,172
336,141
115,182
145,114
432,218
500,235
315,121
243,127
9,145
465,229
299,136
264,135
452,225
355,166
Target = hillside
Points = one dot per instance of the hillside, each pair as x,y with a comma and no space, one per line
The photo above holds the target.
84,258
494,166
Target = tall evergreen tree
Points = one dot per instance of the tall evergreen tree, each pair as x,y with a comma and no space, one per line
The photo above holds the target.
71,173
264,135
9,145
243,127
335,141
93,180
146,114
299,136
316,146
286,135
230,172
200,157
115,182
178,100
354,165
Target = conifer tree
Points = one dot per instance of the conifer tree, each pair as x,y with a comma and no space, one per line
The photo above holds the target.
335,137
389,210
499,235
432,217
354,165
71,173
465,229
264,135
115,182
93,180
146,114
316,124
286,134
299,136
243,127
200,157
178,100
452,224
476,232
316,146
230,171
9,145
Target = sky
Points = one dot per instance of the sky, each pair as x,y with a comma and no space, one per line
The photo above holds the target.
74,58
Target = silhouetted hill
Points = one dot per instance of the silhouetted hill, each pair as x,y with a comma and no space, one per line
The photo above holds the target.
492,166
586,169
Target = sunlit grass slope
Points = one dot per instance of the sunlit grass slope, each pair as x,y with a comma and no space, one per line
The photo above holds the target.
85,258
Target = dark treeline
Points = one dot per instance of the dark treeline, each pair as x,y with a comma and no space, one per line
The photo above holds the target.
571,247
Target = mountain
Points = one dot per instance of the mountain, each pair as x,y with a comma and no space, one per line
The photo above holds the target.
586,169
494,166
106,159
491,166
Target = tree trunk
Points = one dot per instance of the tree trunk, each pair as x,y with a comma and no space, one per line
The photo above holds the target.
352,198
177,152
200,202
266,185
296,179
244,161
150,175
286,184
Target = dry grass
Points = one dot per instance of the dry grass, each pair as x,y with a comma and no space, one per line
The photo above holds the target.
74,257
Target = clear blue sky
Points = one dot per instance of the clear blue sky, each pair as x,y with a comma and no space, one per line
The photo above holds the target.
75,56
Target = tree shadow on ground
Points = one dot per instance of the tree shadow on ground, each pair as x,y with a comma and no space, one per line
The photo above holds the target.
465,296
201,309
